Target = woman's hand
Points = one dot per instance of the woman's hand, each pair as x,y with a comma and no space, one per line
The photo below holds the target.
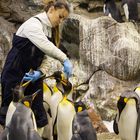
33,76
68,68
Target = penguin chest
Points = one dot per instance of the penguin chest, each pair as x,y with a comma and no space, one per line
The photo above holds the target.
10,112
46,93
55,100
128,120
20,125
65,117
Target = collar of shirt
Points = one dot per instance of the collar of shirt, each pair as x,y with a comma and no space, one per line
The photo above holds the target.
47,27
44,19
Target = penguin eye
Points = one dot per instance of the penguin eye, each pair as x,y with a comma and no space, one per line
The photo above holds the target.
80,109
26,103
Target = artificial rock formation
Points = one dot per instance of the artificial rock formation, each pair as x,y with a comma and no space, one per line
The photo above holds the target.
111,48
104,53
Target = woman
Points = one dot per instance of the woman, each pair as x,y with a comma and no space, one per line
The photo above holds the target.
31,44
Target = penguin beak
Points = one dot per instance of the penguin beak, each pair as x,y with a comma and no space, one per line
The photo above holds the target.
51,76
64,82
64,79
24,85
35,94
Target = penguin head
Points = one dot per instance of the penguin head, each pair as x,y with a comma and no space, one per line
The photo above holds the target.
61,79
58,76
121,103
27,100
18,91
123,99
79,106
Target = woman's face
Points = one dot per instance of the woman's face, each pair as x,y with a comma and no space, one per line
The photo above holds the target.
56,16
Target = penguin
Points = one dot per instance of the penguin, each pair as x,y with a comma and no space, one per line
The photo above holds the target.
82,127
51,96
18,93
137,91
65,115
4,134
21,126
110,9
53,102
130,9
65,110
57,93
126,122
46,131
47,93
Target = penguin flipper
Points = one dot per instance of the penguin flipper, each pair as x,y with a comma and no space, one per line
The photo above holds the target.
115,126
4,134
33,135
76,137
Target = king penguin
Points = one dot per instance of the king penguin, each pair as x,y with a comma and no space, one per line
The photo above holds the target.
46,131
130,9
126,123
82,125
52,96
18,93
22,125
110,9
64,109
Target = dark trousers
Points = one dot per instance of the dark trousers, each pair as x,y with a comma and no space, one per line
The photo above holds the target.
37,105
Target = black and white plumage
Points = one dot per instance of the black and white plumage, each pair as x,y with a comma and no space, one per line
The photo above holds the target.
130,9
82,127
18,94
110,9
70,114
65,108
22,125
126,123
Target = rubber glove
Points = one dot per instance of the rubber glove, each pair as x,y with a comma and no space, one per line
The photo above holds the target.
33,76
67,68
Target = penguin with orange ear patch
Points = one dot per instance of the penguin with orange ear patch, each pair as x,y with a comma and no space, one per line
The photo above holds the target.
64,110
127,121
18,94
21,126
82,125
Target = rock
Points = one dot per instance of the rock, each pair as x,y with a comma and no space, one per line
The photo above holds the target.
97,121
111,47
108,136
18,11
6,33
